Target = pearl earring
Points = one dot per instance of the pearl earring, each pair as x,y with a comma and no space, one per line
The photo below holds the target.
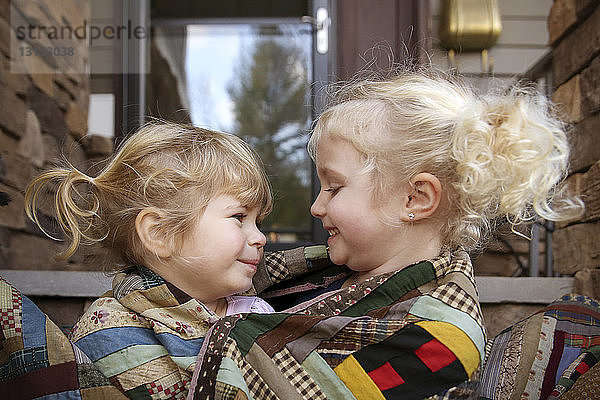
411,216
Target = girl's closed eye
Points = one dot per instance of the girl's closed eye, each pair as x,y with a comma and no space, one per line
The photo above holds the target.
239,216
333,190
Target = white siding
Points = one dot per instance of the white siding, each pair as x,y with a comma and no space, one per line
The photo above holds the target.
522,43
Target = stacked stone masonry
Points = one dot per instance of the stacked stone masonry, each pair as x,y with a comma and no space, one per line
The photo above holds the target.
574,28
43,119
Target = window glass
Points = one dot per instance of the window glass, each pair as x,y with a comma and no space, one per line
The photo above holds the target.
254,80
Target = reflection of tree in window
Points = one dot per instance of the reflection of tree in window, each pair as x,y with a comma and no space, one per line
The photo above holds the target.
271,111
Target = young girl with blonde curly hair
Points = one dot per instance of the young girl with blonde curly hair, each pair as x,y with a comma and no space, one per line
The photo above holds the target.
415,170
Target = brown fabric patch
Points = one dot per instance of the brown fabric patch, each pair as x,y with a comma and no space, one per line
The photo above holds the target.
586,387
149,372
510,362
181,296
295,261
101,393
60,349
530,341
42,381
9,346
381,312
291,329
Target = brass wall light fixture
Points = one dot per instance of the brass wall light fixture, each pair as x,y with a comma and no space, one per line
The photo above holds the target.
470,25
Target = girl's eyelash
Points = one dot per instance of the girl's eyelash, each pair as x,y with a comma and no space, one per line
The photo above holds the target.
333,189
239,216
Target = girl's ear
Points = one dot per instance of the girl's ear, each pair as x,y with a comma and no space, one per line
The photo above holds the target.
425,197
147,226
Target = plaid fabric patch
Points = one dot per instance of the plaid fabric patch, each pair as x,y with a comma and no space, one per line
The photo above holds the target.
455,262
24,361
149,278
135,278
224,391
456,297
441,264
168,387
584,342
357,335
128,284
7,295
334,353
275,265
575,318
10,313
297,376
257,387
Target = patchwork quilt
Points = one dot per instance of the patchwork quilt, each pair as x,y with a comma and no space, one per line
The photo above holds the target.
415,333
145,334
412,334
37,359
552,354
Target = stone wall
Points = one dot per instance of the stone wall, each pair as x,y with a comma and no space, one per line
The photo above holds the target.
574,27
43,117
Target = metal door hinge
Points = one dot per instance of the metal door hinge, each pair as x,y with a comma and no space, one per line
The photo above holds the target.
321,23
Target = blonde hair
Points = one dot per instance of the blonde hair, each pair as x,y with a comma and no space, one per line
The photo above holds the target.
175,168
497,155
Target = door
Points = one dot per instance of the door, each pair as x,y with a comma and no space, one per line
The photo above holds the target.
255,69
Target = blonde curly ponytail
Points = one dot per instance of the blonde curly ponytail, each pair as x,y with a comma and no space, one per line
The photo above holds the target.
76,211
511,157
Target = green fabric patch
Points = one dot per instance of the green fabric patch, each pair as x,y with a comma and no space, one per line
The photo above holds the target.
315,252
328,381
248,330
393,288
140,392
230,374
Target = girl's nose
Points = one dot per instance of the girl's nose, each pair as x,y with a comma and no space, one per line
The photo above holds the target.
257,238
318,207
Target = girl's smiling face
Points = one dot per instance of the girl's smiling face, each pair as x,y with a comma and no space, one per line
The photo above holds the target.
222,251
359,236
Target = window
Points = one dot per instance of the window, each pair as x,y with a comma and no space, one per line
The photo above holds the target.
257,85
235,70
